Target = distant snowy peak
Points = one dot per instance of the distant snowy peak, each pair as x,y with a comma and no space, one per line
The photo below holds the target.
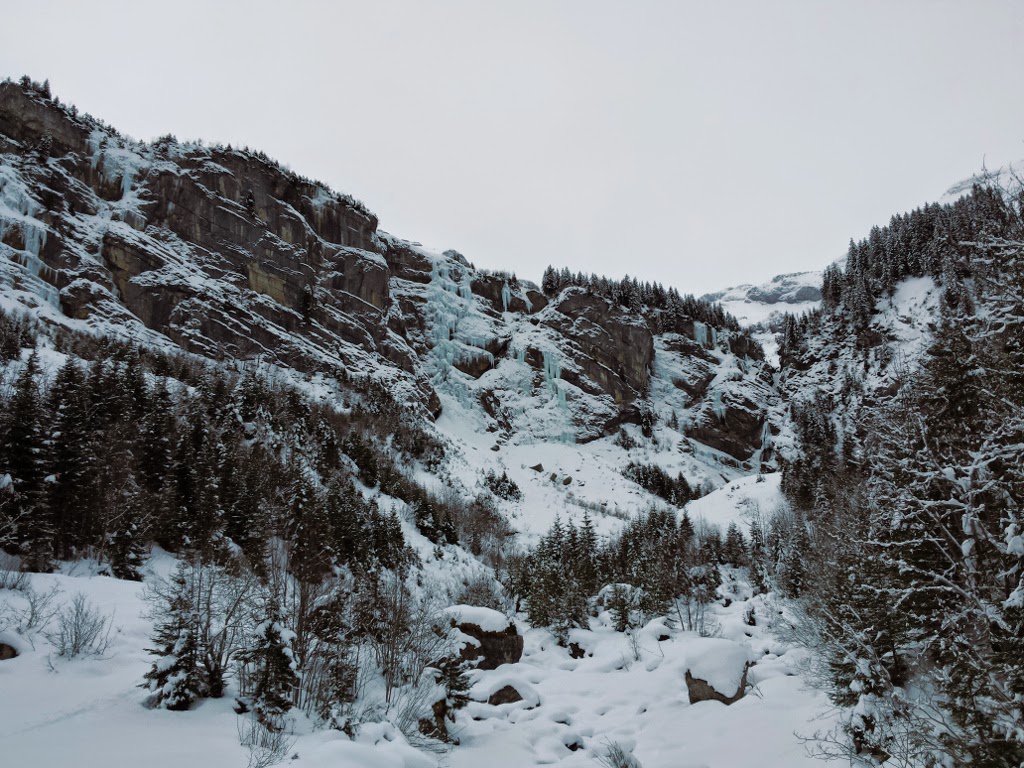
793,288
753,304
1009,176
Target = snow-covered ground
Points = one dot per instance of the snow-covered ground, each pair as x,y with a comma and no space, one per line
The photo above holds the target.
636,696
90,711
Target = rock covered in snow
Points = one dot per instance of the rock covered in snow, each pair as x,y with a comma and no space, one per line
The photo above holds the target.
505,689
717,670
491,638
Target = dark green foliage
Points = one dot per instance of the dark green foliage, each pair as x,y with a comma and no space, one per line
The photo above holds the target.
23,457
654,560
503,486
675,490
621,604
453,677
906,547
271,668
735,547
678,311
135,446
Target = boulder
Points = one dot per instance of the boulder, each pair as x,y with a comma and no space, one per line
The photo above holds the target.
493,639
437,728
701,690
7,652
505,690
505,695
717,670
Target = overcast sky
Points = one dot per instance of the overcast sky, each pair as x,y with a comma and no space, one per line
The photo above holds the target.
702,144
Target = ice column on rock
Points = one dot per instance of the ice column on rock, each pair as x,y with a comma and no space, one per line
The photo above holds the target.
552,376
700,333
448,303
717,405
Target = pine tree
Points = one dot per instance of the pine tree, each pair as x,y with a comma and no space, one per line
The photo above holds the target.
273,674
156,440
453,677
735,548
128,539
175,680
23,452
71,458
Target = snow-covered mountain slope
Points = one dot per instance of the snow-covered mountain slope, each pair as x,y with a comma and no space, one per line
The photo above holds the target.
227,255
223,254
835,359
760,304
1008,176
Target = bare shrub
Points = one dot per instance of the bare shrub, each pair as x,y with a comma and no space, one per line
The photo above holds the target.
39,611
82,629
11,575
616,757
483,592
267,745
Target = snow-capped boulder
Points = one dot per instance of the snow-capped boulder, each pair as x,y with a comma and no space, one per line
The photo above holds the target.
502,690
505,695
11,645
488,637
716,670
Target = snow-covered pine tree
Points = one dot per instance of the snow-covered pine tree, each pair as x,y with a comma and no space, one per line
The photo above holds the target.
176,680
23,456
71,457
735,548
271,673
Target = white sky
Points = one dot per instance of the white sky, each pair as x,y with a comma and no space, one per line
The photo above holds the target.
702,144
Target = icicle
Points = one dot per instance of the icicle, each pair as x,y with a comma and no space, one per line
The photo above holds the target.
700,333
506,296
717,406
35,239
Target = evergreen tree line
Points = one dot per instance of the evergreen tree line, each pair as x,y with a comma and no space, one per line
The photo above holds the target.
109,455
914,585
656,565
677,310
291,582
936,240
652,478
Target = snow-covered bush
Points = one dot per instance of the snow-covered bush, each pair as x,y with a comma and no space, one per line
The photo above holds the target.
267,745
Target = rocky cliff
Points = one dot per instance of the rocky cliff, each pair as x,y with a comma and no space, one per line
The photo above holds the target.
226,254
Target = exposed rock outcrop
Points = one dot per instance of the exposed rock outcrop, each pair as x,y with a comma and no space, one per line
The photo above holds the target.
615,349
227,254
504,695
493,639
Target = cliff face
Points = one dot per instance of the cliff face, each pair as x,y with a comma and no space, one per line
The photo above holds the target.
226,254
